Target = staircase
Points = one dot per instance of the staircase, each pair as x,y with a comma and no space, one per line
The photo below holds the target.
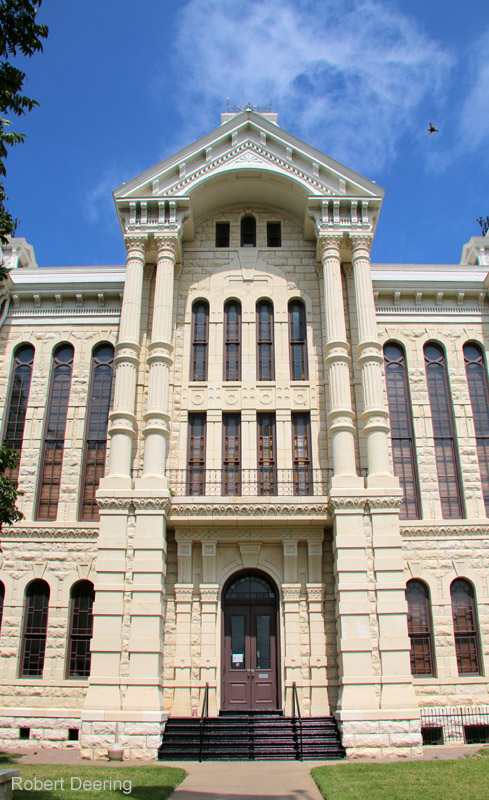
251,736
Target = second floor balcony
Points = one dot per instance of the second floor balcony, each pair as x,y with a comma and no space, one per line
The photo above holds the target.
233,482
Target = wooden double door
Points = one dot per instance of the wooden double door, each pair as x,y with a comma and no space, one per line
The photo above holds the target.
250,647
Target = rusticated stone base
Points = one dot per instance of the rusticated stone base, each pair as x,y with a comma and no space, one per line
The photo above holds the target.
47,728
381,738
139,735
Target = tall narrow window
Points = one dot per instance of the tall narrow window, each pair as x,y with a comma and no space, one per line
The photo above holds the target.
475,368
222,234
465,628
196,454
54,436
297,341
403,450
301,448
34,630
248,231
267,463
2,601
200,340
231,454
232,341
96,430
80,630
274,234
20,385
444,432
264,341
420,628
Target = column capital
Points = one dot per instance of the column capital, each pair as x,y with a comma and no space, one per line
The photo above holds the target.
329,241
360,241
166,245
135,244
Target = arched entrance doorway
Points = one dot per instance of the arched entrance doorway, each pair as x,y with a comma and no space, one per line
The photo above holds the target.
250,679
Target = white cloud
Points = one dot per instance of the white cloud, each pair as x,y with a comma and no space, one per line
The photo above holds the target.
347,75
474,116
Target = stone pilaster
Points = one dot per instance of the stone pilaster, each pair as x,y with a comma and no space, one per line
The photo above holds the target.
292,631
318,660
156,429
122,427
337,360
209,599
375,414
183,638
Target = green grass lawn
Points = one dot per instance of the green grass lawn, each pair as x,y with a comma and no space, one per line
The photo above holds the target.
56,782
464,779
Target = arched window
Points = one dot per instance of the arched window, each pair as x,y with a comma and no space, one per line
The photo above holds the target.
465,628
232,341
2,600
80,631
475,368
444,432
248,231
34,630
20,384
54,434
96,428
200,340
401,421
265,368
420,629
297,341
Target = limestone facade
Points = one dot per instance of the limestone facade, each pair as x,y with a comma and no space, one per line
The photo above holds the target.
166,545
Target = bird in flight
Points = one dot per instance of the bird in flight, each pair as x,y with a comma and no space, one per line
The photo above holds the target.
432,129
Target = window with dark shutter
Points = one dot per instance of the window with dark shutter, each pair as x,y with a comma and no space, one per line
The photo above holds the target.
232,341
196,454
401,421
222,234
465,628
297,341
34,629
420,629
447,465
267,465
231,455
274,234
80,630
200,340
301,449
95,447
248,231
264,341
475,368
20,384
54,435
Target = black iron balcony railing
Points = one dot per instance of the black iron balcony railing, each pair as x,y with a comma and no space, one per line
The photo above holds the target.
234,482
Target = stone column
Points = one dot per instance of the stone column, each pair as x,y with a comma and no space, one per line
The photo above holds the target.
337,361
375,415
122,427
157,416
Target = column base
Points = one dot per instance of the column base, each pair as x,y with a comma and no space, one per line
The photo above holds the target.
347,482
380,735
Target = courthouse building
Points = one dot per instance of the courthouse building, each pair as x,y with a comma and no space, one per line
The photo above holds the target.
249,458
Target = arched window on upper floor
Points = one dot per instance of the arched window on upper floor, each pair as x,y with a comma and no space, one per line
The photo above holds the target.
401,422
200,340
34,629
475,369
447,464
232,340
420,628
465,628
265,366
80,630
95,447
54,432
2,601
298,341
20,384
248,231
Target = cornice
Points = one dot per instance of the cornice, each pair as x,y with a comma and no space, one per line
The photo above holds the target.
50,533
249,534
444,531
277,510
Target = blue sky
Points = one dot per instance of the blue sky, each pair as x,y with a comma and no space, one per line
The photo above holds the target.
123,84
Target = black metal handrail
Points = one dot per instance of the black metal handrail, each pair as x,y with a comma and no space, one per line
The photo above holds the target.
203,717
296,712
236,482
